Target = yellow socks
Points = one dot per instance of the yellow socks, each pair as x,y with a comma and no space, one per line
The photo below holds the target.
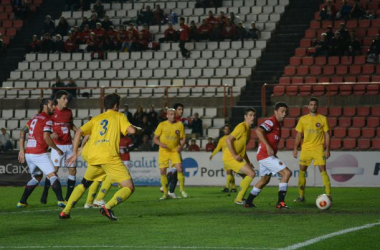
228,180
119,197
301,183
181,179
164,183
244,184
106,185
233,186
326,182
74,197
92,192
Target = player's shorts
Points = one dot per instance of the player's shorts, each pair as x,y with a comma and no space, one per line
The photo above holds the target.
126,164
117,172
39,163
165,157
307,156
60,160
271,165
234,165
171,170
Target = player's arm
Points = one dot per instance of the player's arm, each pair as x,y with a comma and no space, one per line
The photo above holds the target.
297,144
216,150
156,140
327,142
21,154
73,127
230,144
182,143
72,159
50,142
246,159
260,132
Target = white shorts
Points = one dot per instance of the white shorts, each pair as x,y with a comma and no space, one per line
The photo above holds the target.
271,165
126,163
60,160
39,163
171,170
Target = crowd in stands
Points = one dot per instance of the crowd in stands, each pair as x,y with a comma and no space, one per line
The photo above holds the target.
60,85
345,12
20,9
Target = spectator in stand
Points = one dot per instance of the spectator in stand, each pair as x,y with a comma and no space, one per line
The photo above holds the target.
253,32
170,34
193,35
357,11
202,3
211,20
193,147
113,37
146,127
71,5
34,46
75,35
145,145
58,84
5,140
85,34
70,45
122,33
98,8
59,45
328,12
2,44
20,9
94,20
72,92
222,18
85,22
142,43
49,26
172,17
146,33
184,35
215,34
62,27
344,34
128,114
47,45
139,114
133,30
162,114
329,34
241,32
235,20
106,23
99,32
85,5
353,45
196,126
345,11
374,49
145,16
204,30
158,15
322,46
338,45
210,146
228,30
92,43
152,116
130,43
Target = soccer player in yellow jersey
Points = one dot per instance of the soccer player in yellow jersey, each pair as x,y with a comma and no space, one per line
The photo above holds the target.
315,130
102,155
222,145
170,136
236,158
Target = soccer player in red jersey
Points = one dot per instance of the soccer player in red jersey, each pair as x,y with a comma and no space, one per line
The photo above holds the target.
125,144
36,156
62,124
269,134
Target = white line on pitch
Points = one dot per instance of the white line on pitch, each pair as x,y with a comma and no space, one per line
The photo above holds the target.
320,238
139,247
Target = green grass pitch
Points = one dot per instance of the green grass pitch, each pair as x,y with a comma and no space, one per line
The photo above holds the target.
207,219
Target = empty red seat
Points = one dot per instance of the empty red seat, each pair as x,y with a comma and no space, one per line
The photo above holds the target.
346,60
372,89
332,90
349,111
285,133
375,111
333,121
320,60
301,52
368,132
326,24
344,121
310,34
337,79
11,32
359,89
18,23
378,132
354,132
341,69
324,79
363,79
323,111
363,111
291,90
278,90
305,90
355,69
253,134
335,111
349,144
364,143
310,79
7,24
335,143
364,23
315,70
261,121
372,122
284,80
318,90
376,143
295,61
360,33
297,80
328,70
251,144
372,32
375,79
294,111
358,122
333,60
305,110
290,70
375,23
345,89
368,69
289,122
315,25
378,69
307,61
351,24
281,144
290,144
350,79
3,16
340,132
359,60
302,70
367,41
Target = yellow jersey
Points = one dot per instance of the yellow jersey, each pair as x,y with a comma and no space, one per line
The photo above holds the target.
170,134
222,145
104,131
242,135
313,129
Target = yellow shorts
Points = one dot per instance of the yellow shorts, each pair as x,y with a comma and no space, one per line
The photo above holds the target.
164,157
234,165
308,156
115,171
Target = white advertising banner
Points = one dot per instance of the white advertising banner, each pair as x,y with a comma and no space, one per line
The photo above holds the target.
346,169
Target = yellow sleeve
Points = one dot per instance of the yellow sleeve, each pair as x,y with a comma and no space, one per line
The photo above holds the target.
326,126
299,127
124,124
87,128
182,131
158,131
238,131
218,148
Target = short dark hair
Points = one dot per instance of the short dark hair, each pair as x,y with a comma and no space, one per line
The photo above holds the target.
249,110
43,101
313,99
110,100
176,105
182,19
227,125
279,105
60,93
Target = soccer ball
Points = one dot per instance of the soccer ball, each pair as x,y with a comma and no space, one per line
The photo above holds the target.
323,202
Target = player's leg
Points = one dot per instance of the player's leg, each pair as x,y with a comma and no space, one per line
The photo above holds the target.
36,175
304,162
232,183
173,181
71,180
57,188
163,163
249,173
92,190
264,180
56,159
229,177
325,179
177,163
106,186
283,187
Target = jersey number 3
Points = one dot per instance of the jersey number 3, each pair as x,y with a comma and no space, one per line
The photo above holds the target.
104,124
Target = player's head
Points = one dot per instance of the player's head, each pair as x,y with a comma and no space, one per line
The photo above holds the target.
46,105
61,99
280,111
313,105
226,129
178,109
249,115
170,114
192,141
112,101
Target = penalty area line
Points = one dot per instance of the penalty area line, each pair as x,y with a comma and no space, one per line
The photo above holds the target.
320,238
